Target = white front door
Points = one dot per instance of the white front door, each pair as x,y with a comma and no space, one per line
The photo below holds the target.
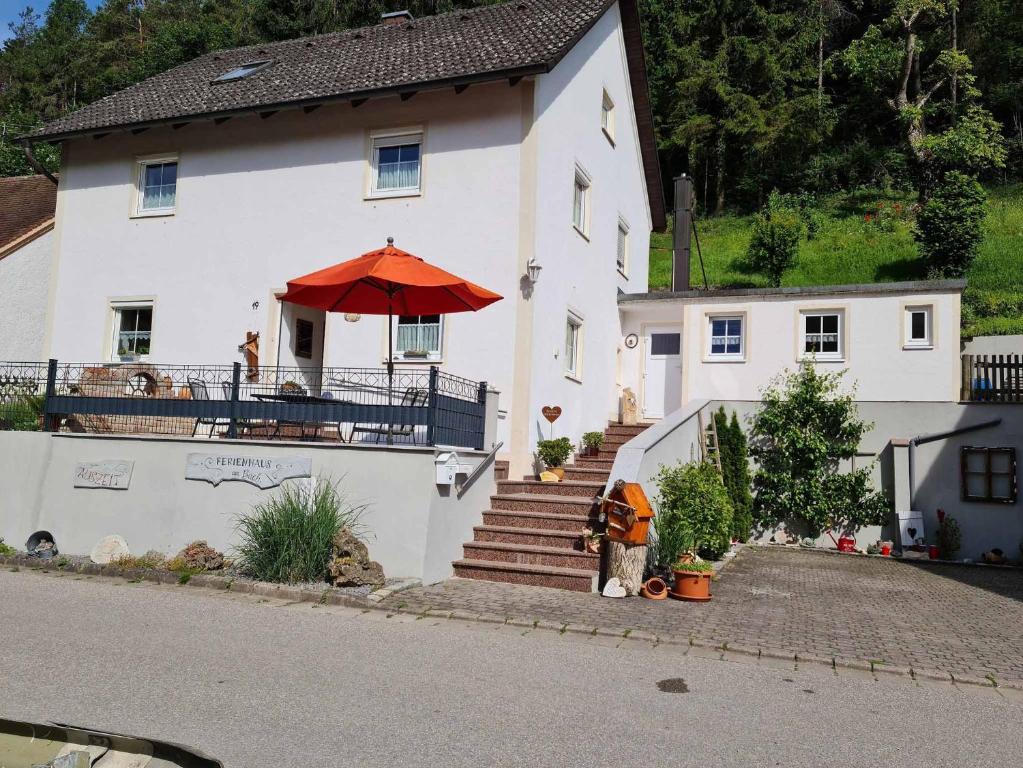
662,370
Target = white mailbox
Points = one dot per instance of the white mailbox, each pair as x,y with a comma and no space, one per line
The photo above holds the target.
449,467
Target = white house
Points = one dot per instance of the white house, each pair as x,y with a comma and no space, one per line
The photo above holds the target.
26,251
485,141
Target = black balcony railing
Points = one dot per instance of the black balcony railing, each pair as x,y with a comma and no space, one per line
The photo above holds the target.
352,405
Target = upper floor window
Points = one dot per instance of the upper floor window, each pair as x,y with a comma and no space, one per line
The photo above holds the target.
581,203
607,117
918,332
726,337
622,258
133,331
419,336
821,336
397,165
573,349
157,186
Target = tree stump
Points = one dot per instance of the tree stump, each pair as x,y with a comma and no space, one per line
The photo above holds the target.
626,563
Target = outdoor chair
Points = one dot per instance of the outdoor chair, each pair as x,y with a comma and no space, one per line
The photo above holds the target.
415,398
245,425
198,390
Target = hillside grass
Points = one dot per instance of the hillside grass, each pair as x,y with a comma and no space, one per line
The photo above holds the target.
850,249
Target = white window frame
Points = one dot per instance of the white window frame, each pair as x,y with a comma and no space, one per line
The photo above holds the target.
116,308
608,117
574,361
582,183
431,355
141,164
838,356
709,354
394,138
623,236
908,342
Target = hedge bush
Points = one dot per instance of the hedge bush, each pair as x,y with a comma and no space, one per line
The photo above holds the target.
691,503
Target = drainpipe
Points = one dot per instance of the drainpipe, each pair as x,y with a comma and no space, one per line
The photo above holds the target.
922,439
36,165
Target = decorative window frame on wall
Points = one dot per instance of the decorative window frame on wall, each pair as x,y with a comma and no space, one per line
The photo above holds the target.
842,355
996,464
394,137
581,216
305,338
608,118
574,363
908,310
740,314
115,306
138,186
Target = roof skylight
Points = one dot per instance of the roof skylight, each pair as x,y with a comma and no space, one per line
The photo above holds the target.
242,71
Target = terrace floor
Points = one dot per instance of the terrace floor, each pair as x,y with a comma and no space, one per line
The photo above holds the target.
936,619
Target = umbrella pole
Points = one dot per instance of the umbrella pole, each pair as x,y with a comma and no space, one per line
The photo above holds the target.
390,368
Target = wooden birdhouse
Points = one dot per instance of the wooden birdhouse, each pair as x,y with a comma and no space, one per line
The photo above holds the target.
628,513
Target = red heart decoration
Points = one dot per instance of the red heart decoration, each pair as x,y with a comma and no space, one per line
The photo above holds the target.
551,412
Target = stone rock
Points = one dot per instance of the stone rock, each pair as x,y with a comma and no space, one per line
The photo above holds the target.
108,549
350,565
614,588
630,407
201,556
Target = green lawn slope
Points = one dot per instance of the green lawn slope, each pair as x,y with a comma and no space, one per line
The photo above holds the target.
865,238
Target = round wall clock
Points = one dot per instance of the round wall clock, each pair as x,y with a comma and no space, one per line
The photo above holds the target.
631,341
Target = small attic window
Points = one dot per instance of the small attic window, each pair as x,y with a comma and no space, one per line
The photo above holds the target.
243,71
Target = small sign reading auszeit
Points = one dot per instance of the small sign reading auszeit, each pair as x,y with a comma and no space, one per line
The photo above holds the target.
111,474
261,471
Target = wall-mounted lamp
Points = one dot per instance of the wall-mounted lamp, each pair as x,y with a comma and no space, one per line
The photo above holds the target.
533,271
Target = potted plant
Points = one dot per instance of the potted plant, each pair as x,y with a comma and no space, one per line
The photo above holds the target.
592,441
591,541
554,453
692,579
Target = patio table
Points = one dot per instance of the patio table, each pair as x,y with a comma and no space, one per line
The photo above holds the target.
301,398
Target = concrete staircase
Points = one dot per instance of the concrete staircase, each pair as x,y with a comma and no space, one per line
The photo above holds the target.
532,532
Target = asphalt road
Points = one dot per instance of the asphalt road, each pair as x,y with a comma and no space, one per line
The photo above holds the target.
263,683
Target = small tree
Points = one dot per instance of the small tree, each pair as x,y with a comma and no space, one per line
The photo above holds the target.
774,243
804,430
949,227
735,472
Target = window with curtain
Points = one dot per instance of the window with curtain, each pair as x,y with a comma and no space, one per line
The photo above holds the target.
822,335
397,164
158,186
418,336
726,337
133,331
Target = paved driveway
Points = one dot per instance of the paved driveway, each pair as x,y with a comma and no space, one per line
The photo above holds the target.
959,621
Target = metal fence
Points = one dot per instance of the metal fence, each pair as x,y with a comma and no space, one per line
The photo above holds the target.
992,378
422,406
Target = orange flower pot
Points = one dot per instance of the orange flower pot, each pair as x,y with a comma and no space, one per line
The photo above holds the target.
654,589
691,586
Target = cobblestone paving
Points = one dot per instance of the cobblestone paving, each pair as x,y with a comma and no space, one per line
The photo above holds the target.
958,620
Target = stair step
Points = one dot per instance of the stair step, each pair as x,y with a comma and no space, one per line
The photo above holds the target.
536,502
530,554
586,489
504,518
608,453
591,463
544,537
535,575
595,474
626,429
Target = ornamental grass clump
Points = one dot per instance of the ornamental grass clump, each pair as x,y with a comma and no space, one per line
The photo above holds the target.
287,538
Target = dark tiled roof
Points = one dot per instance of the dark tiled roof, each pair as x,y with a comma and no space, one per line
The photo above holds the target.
26,202
479,45
519,37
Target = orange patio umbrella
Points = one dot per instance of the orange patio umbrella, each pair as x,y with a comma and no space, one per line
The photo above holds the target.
388,281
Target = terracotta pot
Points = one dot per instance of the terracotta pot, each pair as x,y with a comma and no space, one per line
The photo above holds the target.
654,589
691,586
559,471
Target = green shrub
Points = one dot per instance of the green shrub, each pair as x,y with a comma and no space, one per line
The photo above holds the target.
6,550
693,512
805,428
22,414
696,566
735,472
287,538
948,537
554,453
774,243
949,227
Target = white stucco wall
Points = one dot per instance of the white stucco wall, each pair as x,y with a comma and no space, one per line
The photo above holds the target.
876,359
24,282
580,273
414,528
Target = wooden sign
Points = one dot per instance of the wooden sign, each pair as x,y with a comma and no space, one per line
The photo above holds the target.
551,412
